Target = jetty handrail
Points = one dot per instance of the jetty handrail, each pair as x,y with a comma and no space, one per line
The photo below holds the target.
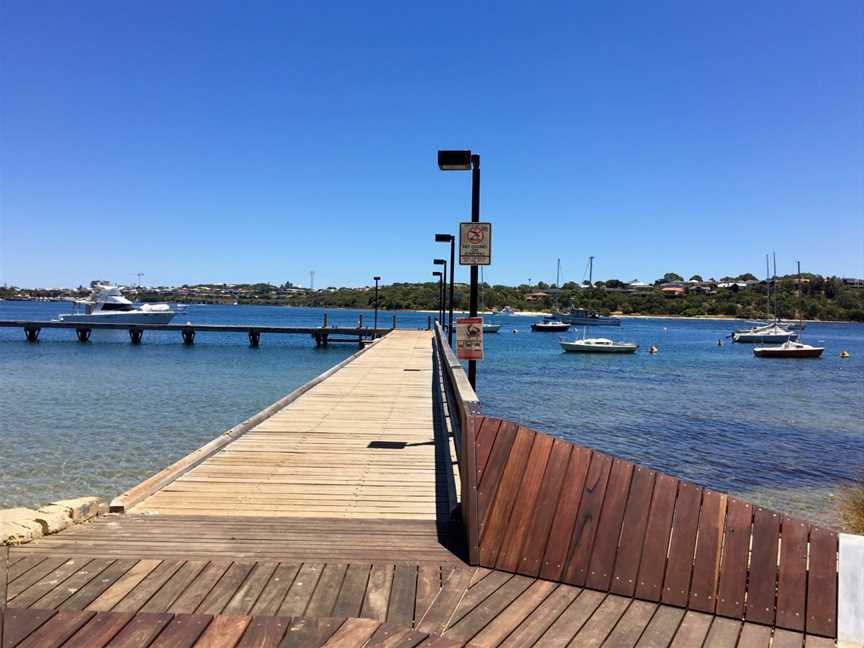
462,397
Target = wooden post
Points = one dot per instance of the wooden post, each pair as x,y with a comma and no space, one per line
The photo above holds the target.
188,336
325,320
83,334
360,321
135,335
254,338
428,322
32,333
394,321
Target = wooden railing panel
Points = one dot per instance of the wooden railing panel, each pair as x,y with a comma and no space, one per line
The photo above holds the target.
736,550
544,510
565,517
511,556
486,433
792,581
706,564
649,585
498,518
822,583
488,486
576,570
609,529
682,546
633,532
763,566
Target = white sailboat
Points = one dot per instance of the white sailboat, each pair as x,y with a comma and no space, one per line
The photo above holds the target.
595,345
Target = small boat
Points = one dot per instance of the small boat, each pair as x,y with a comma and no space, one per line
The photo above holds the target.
550,326
586,317
598,345
789,349
771,334
491,328
107,304
507,311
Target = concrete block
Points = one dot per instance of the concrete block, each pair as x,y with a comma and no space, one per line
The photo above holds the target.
14,534
24,518
53,518
82,508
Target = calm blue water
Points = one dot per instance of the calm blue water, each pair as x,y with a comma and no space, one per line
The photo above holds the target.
98,418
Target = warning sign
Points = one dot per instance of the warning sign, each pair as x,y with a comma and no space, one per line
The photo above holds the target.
469,338
475,244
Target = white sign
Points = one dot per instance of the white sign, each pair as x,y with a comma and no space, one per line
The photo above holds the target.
469,338
475,244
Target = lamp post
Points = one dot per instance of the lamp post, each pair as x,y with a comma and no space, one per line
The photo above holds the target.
375,327
440,276
443,289
467,161
449,238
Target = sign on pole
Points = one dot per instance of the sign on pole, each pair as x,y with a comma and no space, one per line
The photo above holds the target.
469,338
475,244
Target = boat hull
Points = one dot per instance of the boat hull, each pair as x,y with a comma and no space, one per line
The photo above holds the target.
788,353
163,317
491,328
547,328
576,320
756,338
576,347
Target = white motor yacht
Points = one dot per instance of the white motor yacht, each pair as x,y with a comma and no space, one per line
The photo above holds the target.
598,345
106,304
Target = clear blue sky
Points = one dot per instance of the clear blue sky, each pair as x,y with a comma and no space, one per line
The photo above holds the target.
254,141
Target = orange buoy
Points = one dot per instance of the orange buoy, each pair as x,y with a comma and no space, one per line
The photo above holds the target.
653,349
844,354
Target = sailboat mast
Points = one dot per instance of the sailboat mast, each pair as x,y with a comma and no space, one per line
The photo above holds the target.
800,303
590,271
774,283
558,274
767,289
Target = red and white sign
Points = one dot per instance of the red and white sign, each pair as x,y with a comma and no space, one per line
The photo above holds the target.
475,244
469,338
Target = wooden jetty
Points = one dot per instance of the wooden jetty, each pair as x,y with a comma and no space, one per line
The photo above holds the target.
377,506
323,335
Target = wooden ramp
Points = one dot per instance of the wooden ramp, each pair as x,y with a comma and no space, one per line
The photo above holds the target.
360,444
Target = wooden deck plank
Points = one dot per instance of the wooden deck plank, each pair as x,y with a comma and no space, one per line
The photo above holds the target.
571,621
140,630
469,625
596,629
438,616
535,626
218,597
692,631
20,623
632,624
123,585
349,602
264,631
174,587
47,583
75,582
327,590
276,590
402,595
189,601
96,587
662,628
723,633
507,620
297,599
223,632
101,629
182,632
306,632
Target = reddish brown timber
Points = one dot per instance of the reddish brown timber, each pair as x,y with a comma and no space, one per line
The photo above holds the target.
763,567
576,569
488,486
512,555
99,630
685,523
555,558
822,583
733,566
652,565
633,532
609,527
706,564
182,632
792,581
487,430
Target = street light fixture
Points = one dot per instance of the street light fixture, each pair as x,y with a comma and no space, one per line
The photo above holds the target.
375,327
467,161
440,276
449,238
